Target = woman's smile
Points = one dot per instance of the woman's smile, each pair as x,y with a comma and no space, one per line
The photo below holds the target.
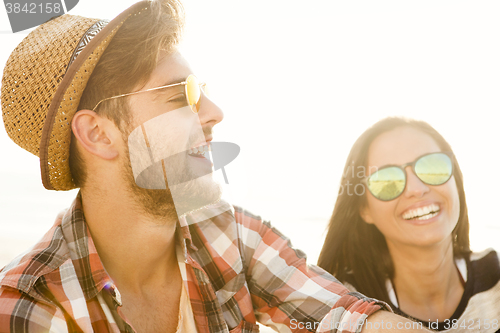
422,213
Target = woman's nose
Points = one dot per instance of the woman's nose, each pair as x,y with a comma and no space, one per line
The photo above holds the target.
414,186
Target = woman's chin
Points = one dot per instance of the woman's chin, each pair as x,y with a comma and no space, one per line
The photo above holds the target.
428,232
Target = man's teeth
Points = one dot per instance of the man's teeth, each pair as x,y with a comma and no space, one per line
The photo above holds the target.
201,150
422,213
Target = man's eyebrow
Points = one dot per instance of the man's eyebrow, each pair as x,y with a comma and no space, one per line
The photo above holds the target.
160,91
173,82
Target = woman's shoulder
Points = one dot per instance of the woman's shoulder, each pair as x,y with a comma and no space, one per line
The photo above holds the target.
480,301
485,267
484,270
488,254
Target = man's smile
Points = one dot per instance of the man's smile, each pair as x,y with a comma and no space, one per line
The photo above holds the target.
199,151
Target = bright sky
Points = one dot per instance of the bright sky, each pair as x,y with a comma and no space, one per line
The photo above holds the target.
299,81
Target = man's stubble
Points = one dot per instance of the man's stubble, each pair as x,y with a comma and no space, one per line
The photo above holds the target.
168,204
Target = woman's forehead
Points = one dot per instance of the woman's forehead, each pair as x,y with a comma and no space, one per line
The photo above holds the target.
399,146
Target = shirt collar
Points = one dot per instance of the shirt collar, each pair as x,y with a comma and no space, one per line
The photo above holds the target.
199,215
205,213
88,266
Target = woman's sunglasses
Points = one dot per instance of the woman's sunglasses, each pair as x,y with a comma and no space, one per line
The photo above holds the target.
192,87
389,182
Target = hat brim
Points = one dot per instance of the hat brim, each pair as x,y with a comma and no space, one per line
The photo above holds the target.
56,134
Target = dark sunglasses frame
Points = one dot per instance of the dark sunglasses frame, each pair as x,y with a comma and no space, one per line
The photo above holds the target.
412,164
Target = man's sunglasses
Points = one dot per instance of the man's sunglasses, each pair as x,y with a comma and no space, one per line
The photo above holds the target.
389,182
192,87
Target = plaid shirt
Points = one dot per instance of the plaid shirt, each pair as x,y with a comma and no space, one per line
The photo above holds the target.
239,270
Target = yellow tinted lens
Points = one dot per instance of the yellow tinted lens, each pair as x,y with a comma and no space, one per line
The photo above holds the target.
205,89
193,92
434,169
387,184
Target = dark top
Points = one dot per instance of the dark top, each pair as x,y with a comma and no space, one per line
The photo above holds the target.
479,308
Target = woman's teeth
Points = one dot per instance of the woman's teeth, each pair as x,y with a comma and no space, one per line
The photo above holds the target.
201,150
422,213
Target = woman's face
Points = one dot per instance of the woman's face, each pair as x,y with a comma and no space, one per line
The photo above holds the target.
396,219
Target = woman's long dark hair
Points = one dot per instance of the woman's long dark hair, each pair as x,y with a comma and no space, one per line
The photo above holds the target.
356,252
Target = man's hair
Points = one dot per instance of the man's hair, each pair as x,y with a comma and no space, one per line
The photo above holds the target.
356,252
128,61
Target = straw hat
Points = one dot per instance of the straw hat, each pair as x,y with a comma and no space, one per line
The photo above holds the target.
43,82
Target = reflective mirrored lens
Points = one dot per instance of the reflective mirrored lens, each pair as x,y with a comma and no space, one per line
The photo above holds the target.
387,184
434,169
193,92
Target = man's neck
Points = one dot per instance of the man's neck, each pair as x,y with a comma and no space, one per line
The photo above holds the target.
136,249
427,282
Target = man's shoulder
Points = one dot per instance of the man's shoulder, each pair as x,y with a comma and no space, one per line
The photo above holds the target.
243,213
246,218
25,305
250,223
234,224
23,273
256,223
224,216
41,287
20,312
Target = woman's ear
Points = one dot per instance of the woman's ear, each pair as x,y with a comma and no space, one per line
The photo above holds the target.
97,135
365,214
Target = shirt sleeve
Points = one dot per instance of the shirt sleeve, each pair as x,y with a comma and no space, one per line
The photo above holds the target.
290,296
20,313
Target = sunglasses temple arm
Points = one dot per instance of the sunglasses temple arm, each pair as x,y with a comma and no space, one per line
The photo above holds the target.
109,98
138,92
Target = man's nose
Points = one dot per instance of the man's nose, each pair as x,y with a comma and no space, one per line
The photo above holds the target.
209,113
414,186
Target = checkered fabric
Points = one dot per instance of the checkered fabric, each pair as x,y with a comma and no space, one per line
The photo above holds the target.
239,270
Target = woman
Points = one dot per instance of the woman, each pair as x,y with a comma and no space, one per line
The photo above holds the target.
401,234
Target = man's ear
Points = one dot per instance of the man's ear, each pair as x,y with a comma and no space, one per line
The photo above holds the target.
365,214
97,135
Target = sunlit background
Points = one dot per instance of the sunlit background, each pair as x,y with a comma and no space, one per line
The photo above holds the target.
299,82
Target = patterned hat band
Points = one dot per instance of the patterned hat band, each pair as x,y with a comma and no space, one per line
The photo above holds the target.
86,38
43,82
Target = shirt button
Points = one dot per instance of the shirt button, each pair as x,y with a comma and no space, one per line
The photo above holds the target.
118,296
114,293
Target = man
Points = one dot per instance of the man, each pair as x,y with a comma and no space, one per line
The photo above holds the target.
147,246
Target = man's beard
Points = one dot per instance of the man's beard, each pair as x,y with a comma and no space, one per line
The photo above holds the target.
177,200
